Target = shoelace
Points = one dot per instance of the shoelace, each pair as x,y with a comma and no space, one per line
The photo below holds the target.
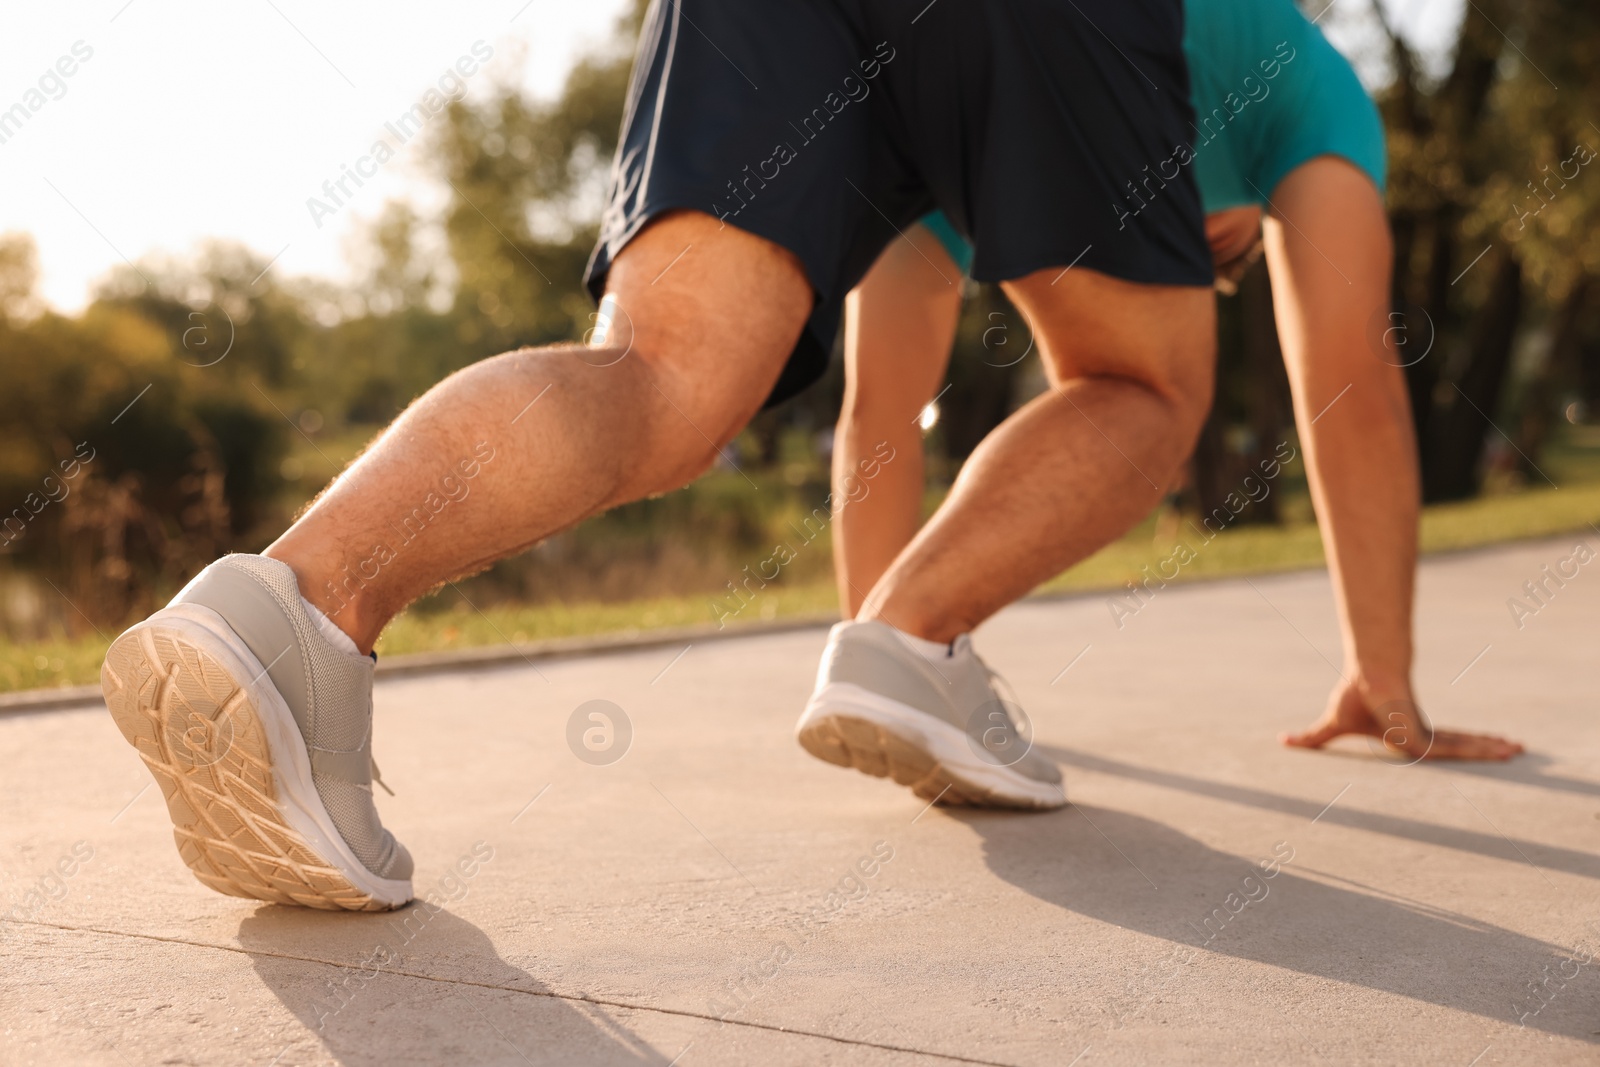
997,682
377,776
1008,700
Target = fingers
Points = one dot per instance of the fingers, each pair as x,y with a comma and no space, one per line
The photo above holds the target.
1405,731
1454,745
1317,736
1438,745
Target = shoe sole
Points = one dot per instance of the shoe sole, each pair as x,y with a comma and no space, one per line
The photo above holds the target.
849,726
184,691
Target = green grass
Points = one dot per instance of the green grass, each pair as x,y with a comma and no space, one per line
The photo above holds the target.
46,664
464,627
1298,545
1246,550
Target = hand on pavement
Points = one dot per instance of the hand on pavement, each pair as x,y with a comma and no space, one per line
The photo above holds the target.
1402,728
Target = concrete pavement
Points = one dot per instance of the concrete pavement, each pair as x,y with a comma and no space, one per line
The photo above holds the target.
715,896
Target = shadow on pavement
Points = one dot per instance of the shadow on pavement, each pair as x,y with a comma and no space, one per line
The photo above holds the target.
428,1003
1491,845
1163,883
1529,769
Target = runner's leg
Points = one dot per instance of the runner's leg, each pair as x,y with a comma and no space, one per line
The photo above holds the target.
695,345
900,323
1131,374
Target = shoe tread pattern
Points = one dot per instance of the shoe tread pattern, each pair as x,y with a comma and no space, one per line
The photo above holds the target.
851,741
200,734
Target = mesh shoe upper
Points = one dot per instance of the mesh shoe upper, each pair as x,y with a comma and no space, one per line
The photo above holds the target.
328,691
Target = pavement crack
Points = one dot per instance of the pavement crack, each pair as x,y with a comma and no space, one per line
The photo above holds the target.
549,993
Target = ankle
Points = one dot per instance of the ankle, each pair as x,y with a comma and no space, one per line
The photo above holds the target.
330,629
912,625
354,618
339,597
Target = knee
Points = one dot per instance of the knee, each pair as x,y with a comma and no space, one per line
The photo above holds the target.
1177,382
1190,390
876,411
1183,378
673,464
685,426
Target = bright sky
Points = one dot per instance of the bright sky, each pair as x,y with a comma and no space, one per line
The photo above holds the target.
193,119
203,119
1429,25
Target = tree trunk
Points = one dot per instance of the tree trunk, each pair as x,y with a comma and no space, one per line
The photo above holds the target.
1429,259
1453,453
1541,400
1252,391
1267,383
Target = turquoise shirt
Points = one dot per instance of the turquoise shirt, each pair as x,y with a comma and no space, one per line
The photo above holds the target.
1269,93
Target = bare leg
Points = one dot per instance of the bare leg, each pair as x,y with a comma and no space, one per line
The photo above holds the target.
1329,253
900,323
1131,370
697,344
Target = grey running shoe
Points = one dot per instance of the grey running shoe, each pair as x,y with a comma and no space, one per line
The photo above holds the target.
259,732
884,709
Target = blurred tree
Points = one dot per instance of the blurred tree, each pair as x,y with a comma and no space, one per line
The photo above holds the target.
126,464
1251,416
19,273
370,365
1551,212
398,274
1494,221
527,184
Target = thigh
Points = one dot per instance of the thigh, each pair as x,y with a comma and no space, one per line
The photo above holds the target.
766,117
713,310
1091,325
900,323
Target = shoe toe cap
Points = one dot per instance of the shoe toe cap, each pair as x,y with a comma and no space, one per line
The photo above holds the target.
398,866
1040,769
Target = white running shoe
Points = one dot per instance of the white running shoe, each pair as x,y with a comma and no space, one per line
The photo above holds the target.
885,709
259,732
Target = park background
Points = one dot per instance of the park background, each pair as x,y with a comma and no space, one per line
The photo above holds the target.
201,395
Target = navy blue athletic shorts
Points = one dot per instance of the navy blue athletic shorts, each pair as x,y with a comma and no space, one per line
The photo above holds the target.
829,126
